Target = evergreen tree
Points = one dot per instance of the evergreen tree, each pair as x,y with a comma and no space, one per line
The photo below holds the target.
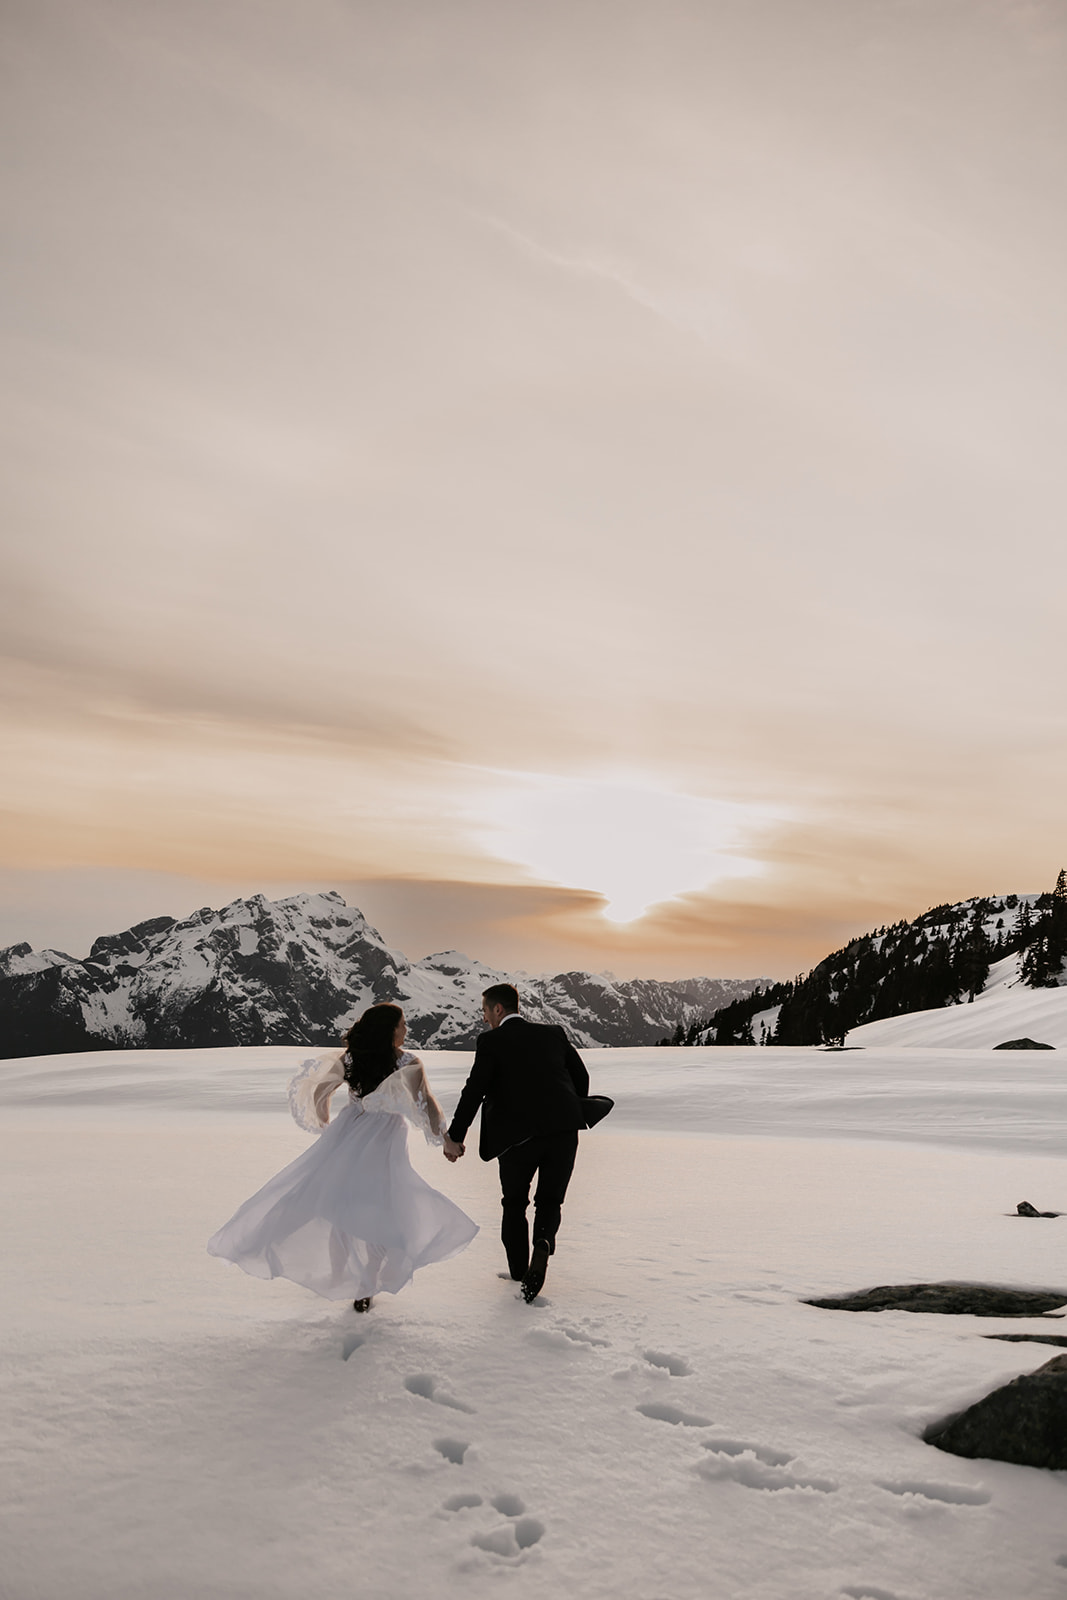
974,954
1057,936
1023,926
941,958
1046,948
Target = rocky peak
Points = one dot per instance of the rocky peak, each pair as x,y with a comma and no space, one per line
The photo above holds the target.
297,970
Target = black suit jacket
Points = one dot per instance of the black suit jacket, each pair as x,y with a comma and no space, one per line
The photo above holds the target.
527,1077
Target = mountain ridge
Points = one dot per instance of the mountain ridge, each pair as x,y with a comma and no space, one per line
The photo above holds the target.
299,970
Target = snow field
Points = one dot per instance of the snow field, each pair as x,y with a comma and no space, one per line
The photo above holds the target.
1005,1010
667,1421
973,1097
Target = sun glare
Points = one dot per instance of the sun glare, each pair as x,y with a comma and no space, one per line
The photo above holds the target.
635,844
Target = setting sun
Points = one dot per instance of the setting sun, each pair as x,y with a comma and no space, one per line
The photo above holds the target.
633,843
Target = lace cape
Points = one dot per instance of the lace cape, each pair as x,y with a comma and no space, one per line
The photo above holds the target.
405,1092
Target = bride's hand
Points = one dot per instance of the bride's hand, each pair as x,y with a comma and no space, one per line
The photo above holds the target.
453,1151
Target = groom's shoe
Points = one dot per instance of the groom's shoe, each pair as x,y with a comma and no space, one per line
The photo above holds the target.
534,1280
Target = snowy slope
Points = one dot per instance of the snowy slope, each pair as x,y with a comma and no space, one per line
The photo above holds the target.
1005,1010
668,1422
938,959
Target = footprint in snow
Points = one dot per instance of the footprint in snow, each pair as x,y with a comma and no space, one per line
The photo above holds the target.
509,1505
425,1386
452,1449
756,1467
512,1539
564,1338
867,1591
677,1366
462,1502
660,1411
580,1336
739,1447
952,1494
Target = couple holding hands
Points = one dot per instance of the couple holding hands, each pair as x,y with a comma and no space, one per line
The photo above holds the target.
351,1218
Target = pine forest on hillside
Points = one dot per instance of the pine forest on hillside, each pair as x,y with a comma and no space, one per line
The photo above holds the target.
940,959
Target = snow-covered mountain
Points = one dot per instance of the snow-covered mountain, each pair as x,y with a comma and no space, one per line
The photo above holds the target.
298,971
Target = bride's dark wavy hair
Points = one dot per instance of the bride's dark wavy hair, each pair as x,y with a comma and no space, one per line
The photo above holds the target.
371,1054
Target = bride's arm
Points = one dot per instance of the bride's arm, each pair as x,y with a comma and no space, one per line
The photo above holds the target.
420,1093
310,1090
415,1075
325,1087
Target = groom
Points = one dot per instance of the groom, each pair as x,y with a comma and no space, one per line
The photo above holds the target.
528,1079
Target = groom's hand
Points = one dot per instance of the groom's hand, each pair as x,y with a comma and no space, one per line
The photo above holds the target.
453,1151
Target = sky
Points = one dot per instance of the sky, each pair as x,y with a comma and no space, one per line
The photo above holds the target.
583,479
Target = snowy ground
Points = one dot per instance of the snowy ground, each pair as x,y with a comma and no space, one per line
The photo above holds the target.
667,1421
1003,1011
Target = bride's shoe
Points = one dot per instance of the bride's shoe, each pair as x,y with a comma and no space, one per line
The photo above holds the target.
362,1305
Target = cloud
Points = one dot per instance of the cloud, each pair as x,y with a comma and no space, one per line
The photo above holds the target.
699,315
634,842
561,393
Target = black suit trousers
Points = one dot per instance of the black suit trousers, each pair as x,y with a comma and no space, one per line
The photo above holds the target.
551,1157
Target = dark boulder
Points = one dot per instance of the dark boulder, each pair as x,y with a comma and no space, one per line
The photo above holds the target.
953,1299
1025,1209
1024,1422
1023,1044
1030,1338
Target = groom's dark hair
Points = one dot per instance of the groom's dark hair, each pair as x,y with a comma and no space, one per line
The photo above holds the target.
502,994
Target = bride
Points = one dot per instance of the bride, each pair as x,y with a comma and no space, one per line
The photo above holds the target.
351,1216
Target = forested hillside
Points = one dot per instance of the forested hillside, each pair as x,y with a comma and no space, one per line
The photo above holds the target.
942,958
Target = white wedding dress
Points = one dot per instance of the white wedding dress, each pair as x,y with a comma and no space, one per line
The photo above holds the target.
350,1217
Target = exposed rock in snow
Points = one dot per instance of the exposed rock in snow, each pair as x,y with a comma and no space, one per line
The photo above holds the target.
1025,1421
1029,1338
952,1299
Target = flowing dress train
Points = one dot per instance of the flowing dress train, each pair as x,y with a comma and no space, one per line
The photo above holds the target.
350,1217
